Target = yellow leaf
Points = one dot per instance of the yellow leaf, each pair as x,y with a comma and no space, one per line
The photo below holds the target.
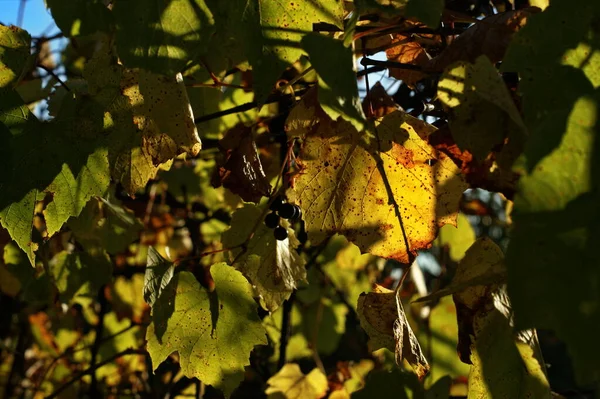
289,382
382,192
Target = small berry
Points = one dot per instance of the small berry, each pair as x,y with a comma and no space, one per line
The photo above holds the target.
277,203
272,220
280,233
289,211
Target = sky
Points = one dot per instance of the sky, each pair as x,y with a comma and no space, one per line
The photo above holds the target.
36,19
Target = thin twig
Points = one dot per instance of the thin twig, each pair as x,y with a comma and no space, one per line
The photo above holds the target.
92,369
286,329
390,64
21,13
54,75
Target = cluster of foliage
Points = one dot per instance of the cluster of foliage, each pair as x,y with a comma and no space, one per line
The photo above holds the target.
137,171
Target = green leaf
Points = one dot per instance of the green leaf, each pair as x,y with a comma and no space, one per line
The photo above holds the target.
458,238
14,54
79,275
401,385
427,11
503,368
213,333
80,17
271,32
297,345
160,36
482,266
272,266
440,340
338,90
34,288
69,169
324,323
553,256
159,273
556,68
482,112
145,117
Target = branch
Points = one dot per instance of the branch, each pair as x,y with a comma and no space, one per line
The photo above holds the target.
54,75
91,369
98,339
390,64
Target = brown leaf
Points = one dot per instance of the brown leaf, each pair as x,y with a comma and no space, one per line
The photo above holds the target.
377,102
407,51
242,171
490,36
382,316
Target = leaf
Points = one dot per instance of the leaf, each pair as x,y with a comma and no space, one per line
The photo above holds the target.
407,51
66,177
297,345
502,368
324,324
440,340
400,384
382,316
427,11
348,184
242,171
79,275
80,17
273,267
290,383
458,238
482,112
482,267
554,79
213,333
338,89
127,297
104,223
489,36
159,273
165,36
282,27
14,54
146,117
556,214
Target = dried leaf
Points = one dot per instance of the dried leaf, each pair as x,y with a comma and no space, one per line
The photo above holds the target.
382,316
378,103
407,51
490,36
242,171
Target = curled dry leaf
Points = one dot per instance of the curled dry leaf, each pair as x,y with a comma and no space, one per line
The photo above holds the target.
242,171
490,36
378,103
382,316
407,50
387,193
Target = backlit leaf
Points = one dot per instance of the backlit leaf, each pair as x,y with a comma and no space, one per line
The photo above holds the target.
162,36
290,383
213,333
482,113
80,17
349,185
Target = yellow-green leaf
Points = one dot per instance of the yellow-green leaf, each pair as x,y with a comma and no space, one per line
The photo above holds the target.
291,383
